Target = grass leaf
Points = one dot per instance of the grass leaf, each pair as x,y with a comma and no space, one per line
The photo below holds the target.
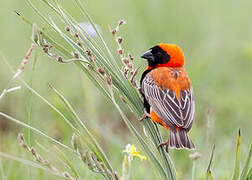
209,174
247,163
238,156
35,130
249,176
120,83
98,149
67,160
27,162
141,140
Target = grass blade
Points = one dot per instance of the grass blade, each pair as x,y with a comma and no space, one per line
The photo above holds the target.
27,162
29,100
2,170
85,13
98,149
41,97
246,167
35,130
141,140
68,162
209,174
237,157
249,176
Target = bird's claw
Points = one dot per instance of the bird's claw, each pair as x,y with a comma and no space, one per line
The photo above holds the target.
166,144
145,116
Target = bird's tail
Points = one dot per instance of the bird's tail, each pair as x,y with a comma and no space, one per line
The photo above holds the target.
179,139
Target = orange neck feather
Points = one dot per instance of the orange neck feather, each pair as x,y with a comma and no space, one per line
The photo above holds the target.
177,58
164,65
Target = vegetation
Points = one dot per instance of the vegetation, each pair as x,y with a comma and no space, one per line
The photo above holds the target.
79,133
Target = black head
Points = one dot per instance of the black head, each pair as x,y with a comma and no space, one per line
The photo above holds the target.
156,55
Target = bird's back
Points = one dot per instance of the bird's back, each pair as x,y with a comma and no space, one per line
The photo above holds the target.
175,79
169,94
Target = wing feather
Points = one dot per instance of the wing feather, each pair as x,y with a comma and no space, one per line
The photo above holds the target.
167,106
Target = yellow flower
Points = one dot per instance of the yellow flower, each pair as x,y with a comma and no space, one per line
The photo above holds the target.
132,151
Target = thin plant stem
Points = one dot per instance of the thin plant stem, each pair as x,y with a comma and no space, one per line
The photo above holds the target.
193,169
35,130
2,170
246,166
209,172
27,162
143,143
83,126
29,107
237,156
42,98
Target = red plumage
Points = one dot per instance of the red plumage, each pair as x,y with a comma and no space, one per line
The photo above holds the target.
168,95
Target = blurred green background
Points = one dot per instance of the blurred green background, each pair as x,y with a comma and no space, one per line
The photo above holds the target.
216,37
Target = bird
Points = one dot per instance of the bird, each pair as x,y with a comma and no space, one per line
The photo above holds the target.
167,93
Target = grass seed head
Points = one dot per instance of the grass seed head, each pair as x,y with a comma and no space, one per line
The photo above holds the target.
130,65
125,71
88,52
24,145
101,71
33,151
76,55
60,59
121,22
74,141
126,61
115,175
131,57
39,158
109,80
66,174
92,58
21,136
79,43
119,40
120,51
114,31
123,99
67,29
45,49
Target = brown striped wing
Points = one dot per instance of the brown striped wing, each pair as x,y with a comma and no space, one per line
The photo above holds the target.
164,102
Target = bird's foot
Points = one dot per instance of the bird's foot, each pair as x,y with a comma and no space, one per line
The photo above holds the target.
139,90
166,144
145,116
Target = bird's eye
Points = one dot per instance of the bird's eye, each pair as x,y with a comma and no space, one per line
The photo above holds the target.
159,54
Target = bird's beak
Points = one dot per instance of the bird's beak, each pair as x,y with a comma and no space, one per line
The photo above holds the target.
148,55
